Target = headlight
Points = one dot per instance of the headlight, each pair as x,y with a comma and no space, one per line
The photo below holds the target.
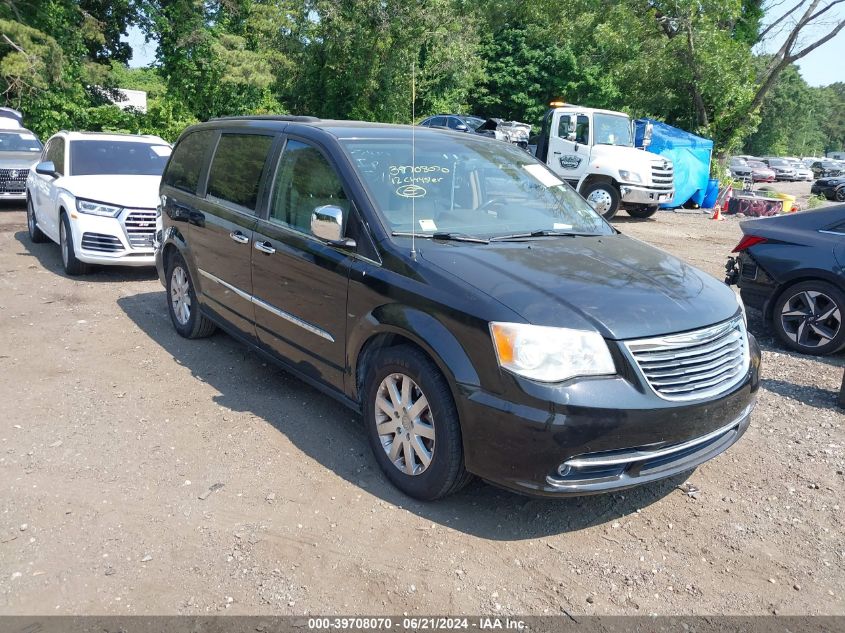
630,176
550,354
97,208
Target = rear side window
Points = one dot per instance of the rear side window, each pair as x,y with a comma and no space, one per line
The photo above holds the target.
183,171
237,166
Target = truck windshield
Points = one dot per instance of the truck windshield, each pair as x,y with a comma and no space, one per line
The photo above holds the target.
613,129
468,186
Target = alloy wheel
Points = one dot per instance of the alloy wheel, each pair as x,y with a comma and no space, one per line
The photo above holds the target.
840,194
811,318
600,200
180,295
30,218
404,423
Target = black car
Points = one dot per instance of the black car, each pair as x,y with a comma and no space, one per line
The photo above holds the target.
474,308
792,268
457,122
830,188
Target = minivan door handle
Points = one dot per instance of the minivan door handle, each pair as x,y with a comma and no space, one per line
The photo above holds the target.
239,237
265,247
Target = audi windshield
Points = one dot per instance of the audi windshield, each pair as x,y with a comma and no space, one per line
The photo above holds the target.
126,158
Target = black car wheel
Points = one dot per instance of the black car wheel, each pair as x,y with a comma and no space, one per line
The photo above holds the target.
839,194
412,424
807,317
71,264
182,301
35,234
603,197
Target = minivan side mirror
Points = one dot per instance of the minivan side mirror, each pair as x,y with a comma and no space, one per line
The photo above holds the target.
46,168
327,224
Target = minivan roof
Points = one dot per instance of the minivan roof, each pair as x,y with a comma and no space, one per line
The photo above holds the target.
340,129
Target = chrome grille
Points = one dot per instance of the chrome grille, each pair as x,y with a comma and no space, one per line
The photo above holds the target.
13,180
101,242
694,365
663,175
140,228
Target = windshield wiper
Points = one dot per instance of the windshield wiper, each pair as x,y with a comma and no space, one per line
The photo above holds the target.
456,237
541,233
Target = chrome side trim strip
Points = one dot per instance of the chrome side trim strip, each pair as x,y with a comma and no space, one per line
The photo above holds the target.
287,316
272,309
237,291
639,456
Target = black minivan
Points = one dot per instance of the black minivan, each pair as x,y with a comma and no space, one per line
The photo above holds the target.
453,290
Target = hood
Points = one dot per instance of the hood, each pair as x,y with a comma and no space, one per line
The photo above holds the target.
18,160
627,157
615,284
139,192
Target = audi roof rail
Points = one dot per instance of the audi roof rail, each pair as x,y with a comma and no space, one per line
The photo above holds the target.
269,117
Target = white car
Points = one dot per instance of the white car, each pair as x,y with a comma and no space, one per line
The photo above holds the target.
96,195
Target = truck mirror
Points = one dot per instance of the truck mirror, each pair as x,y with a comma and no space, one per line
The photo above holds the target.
570,136
649,129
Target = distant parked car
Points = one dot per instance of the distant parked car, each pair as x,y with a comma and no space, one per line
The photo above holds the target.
782,168
830,188
96,195
740,168
827,168
760,172
792,268
19,149
802,172
458,122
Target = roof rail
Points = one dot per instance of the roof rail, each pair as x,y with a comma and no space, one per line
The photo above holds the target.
268,117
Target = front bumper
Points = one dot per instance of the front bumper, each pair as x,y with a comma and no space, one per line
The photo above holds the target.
598,435
633,194
122,241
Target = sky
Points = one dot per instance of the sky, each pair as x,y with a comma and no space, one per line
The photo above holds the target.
821,67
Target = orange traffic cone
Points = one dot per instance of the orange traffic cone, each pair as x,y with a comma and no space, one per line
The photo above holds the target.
717,214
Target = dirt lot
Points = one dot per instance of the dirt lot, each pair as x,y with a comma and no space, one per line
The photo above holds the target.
113,427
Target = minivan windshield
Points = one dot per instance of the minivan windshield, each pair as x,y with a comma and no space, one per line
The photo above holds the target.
468,186
127,158
612,129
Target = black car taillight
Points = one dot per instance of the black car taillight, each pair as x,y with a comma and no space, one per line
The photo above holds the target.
747,242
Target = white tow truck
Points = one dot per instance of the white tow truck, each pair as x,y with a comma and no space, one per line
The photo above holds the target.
593,150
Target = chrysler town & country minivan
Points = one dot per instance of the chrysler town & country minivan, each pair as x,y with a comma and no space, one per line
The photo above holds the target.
475,310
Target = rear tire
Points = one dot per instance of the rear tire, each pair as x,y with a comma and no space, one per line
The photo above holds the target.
71,264
603,197
641,213
808,317
36,236
182,304
421,453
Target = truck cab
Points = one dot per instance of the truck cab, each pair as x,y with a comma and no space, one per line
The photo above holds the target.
593,150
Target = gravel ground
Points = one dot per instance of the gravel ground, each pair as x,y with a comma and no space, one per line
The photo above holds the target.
141,473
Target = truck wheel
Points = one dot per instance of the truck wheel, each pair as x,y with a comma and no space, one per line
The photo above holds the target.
603,197
642,212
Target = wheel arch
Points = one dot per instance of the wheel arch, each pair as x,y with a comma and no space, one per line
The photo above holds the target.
589,179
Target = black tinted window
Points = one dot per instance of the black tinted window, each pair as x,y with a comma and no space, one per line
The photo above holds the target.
183,171
237,166
128,158
304,181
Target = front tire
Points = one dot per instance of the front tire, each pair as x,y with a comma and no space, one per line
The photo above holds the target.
603,197
642,212
807,317
36,235
72,265
412,424
182,304
839,194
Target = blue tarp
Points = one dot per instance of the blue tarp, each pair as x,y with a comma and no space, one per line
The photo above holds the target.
690,154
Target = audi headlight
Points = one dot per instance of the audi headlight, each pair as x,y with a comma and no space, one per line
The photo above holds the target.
97,208
629,176
550,354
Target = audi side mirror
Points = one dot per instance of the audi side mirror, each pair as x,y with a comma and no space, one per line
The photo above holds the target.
46,168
